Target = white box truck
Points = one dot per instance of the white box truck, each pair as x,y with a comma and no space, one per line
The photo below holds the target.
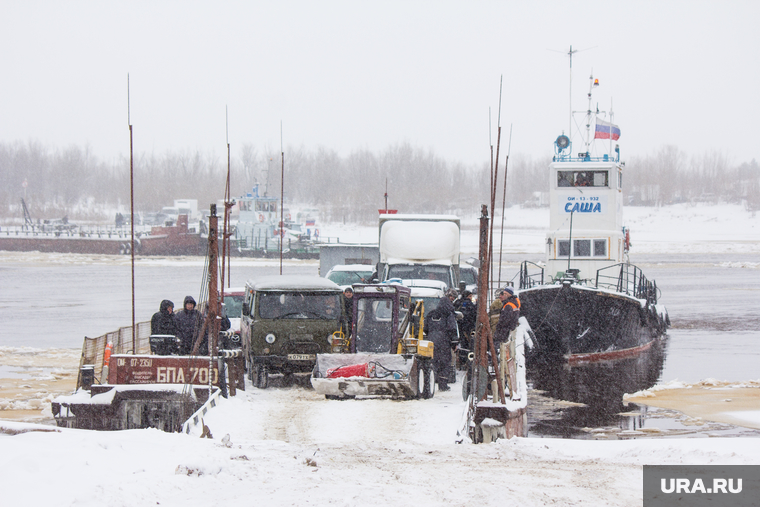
419,247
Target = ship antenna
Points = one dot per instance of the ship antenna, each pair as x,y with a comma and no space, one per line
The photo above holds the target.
570,54
592,83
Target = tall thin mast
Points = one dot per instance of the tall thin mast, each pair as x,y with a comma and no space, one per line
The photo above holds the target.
227,205
132,217
282,197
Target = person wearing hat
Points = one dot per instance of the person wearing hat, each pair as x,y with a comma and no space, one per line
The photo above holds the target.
188,321
163,321
508,317
469,317
441,325
348,308
495,310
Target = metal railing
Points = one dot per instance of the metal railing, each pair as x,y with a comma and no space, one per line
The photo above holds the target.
628,279
530,278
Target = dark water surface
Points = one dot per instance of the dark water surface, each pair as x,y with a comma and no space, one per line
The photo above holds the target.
714,307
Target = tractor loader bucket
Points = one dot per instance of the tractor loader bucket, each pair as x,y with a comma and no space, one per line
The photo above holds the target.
365,374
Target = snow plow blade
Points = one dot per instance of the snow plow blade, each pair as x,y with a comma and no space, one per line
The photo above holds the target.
363,374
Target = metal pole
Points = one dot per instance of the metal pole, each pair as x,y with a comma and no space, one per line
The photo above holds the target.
132,217
282,197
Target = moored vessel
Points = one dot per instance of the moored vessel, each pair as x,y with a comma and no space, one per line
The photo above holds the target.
588,302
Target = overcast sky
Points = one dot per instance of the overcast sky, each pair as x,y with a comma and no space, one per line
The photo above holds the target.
368,74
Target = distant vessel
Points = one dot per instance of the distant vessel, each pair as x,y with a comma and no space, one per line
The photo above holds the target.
592,304
175,239
257,231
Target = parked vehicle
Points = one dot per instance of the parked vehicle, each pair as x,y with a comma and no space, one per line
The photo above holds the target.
233,303
419,247
347,274
386,354
286,321
469,275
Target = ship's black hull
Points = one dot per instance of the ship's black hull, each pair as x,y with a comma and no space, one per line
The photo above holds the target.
576,324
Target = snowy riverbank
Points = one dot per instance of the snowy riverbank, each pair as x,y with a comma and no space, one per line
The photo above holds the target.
286,447
289,446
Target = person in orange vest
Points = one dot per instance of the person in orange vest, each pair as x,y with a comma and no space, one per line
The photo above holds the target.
509,316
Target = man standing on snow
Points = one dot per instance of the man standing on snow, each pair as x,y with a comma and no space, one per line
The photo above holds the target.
509,316
441,325
348,309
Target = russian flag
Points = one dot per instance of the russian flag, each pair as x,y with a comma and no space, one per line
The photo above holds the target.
606,130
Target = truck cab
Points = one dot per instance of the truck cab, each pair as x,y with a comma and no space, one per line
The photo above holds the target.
286,321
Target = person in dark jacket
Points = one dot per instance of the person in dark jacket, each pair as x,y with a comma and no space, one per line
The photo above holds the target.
509,316
224,325
441,325
163,321
188,322
469,317
348,308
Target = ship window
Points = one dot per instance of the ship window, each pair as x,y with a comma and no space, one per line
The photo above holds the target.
600,248
582,178
582,247
600,178
564,248
620,180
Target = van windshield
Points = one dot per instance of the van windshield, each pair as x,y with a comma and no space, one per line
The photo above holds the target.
420,272
299,305
234,305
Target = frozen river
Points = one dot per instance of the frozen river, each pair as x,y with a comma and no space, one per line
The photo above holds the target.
54,300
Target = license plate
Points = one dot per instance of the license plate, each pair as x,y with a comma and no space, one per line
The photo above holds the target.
302,357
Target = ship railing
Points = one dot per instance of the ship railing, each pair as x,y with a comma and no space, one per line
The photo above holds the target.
93,349
628,279
585,158
531,275
72,231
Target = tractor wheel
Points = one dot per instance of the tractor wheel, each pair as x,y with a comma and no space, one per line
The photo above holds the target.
428,380
421,380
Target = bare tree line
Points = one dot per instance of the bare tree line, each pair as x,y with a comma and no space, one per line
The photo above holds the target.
349,189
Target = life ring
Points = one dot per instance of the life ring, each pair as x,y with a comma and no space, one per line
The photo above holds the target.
287,217
261,217
316,233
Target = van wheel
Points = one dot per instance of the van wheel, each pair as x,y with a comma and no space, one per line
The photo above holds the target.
260,376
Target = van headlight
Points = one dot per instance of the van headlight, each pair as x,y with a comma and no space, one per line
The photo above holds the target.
270,338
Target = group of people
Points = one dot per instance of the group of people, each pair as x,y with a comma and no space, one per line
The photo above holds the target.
186,325
447,334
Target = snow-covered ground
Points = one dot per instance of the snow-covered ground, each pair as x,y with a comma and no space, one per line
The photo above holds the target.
292,447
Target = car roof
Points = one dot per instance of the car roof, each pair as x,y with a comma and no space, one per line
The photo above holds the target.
431,284
290,282
352,267
234,291
426,292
